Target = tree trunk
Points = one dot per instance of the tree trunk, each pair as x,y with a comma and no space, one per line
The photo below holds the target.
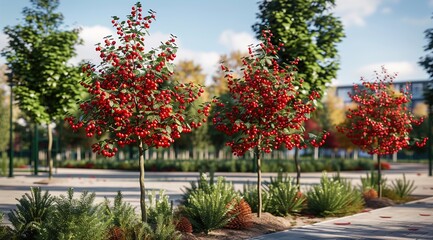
379,176
298,168
316,153
141,151
50,147
257,154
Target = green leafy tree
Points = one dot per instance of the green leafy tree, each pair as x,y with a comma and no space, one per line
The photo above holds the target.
37,53
189,72
4,111
309,31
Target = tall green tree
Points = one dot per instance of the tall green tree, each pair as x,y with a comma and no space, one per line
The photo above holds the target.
38,51
427,63
309,31
4,111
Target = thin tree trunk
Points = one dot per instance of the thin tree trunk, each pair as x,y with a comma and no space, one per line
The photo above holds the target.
141,151
298,168
50,147
379,176
316,153
259,182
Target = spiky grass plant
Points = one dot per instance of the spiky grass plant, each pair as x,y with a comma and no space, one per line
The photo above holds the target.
31,212
333,198
284,197
372,181
76,218
249,193
5,231
207,207
160,216
122,218
403,187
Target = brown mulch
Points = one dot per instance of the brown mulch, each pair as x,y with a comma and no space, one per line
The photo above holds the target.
268,223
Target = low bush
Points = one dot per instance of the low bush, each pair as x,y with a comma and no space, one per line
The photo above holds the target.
284,196
41,216
249,193
333,198
229,165
207,204
76,218
402,187
31,212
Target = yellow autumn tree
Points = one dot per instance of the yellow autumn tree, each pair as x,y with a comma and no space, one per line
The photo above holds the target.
234,62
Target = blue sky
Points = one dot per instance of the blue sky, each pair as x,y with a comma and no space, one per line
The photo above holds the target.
378,32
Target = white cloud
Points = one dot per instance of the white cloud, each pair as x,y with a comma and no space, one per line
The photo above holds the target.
354,12
235,41
405,70
92,35
209,61
95,34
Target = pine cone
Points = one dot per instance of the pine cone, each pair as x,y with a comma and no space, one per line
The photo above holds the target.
116,233
184,225
370,193
243,213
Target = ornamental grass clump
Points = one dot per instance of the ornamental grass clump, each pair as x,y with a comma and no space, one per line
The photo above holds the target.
208,205
402,187
76,218
249,193
31,212
371,181
123,218
284,196
333,198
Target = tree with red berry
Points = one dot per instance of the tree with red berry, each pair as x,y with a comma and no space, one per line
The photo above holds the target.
265,108
133,97
381,122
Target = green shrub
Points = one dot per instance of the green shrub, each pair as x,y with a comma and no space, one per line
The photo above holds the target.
372,181
5,231
333,197
122,215
207,204
158,207
249,194
75,218
402,187
284,198
31,212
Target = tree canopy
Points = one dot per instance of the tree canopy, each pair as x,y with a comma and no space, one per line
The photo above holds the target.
309,31
38,51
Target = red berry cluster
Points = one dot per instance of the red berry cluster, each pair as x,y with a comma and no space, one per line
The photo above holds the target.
132,95
381,122
267,107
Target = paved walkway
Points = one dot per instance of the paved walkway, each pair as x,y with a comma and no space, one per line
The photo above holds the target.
409,221
413,220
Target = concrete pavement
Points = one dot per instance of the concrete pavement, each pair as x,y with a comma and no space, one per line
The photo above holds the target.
413,220
409,221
